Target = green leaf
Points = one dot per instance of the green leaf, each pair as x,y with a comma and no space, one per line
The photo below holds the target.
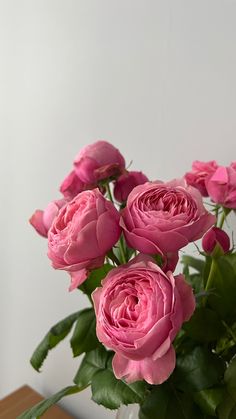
92,362
84,337
112,393
165,402
209,399
94,279
230,378
224,286
197,264
227,409
204,325
198,369
40,408
52,338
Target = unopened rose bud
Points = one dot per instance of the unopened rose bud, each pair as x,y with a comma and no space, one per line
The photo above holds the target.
215,236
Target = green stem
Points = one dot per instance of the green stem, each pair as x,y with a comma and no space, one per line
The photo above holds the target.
222,220
229,330
109,192
211,275
122,250
210,278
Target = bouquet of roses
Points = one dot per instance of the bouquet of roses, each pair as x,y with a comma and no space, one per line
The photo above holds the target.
150,336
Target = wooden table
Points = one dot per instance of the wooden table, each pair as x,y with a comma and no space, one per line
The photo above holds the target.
24,398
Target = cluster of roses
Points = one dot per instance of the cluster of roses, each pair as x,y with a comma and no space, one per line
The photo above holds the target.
140,306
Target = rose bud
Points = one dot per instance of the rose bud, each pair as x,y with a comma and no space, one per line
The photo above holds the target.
215,236
82,233
139,311
164,217
221,187
126,183
200,172
98,161
42,220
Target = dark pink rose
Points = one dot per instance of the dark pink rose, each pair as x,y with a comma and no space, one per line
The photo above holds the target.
98,161
84,230
164,217
139,311
233,165
213,237
72,185
200,172
42,220
221,187
126,183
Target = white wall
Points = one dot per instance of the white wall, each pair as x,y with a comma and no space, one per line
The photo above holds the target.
154,77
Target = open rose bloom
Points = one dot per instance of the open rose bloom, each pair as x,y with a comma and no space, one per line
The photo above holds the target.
139,311
157,332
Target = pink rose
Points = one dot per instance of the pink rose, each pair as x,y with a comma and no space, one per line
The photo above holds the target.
221,187
233,165
42,220
84,230
164,217
98,161
126,183
213,237
199,174
139,311
72,185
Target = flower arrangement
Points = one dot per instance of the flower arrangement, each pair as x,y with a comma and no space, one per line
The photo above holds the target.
150,336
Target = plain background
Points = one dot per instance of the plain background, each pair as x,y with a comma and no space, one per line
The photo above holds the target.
155,78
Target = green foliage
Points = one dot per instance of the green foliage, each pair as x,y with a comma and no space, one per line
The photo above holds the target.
84,337
96,370
55,335
204,325
40,408
198,369
227,409
224,287
165,402
94,279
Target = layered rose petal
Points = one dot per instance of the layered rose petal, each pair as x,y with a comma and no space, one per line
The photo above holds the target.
139,310
84,230
200,172
126,183
221,186
153,371
164,217
42,220
98,161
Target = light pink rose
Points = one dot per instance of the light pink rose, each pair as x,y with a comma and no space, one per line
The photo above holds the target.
200,172
126,183
42,220
72,185
84,230
98,161
213,237
164,217
139,311
221,187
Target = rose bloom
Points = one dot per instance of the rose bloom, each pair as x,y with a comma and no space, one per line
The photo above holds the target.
98,161
200,172
164,217
139,311
126,183
72,185
221,186
82,233
42,220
